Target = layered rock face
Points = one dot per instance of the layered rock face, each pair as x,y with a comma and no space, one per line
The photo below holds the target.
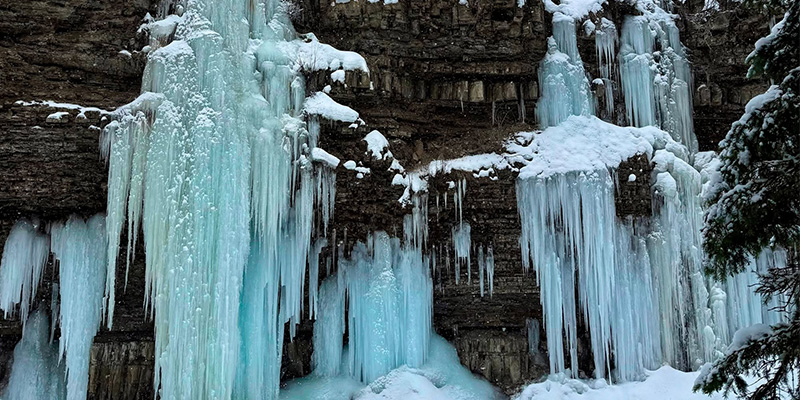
447,80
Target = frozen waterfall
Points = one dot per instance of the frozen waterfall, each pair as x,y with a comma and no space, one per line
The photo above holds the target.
215,160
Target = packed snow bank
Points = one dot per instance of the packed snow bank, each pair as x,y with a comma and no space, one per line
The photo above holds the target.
663,383
442,377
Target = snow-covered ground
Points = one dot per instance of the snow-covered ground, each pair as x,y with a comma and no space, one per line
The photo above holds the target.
665,383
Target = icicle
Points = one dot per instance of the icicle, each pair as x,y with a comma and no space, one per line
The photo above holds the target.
605,44
481,267
80,248
24,258
490,269
36,372
462,242
564,86
532,328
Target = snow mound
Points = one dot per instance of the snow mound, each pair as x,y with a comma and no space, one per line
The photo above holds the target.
663,383
442,377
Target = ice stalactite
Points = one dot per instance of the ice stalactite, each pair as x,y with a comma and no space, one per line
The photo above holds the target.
606,39
79,246
564,87
656,84
486,267
36,372
462,243
566,227
24,258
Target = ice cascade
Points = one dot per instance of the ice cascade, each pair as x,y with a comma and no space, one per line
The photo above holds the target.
214,163
656,84
24,257
564,86
390,305
79,247
36,372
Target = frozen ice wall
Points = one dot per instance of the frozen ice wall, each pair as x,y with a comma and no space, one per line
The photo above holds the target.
390,305
637,283
656,76
24,257
562,79
215,163
36,372
79,247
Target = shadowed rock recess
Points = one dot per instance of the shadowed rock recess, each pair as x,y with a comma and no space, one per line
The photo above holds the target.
446,80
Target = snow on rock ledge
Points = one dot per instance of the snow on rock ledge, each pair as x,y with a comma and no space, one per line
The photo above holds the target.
323,105
583,144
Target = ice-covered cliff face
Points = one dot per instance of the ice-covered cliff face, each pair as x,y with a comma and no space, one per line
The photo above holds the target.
217,169
637,284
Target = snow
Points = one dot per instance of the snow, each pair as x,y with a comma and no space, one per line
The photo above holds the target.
442,377
471,163
315,56
338,76
377,145
318,154
748,333
161,29
59,115
574,9
583,144
350,164
323,105
663,383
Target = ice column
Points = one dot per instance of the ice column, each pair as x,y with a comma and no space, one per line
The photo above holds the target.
564,86
329,328
486,267
24,257
461,236
36,372
80,247
656,85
